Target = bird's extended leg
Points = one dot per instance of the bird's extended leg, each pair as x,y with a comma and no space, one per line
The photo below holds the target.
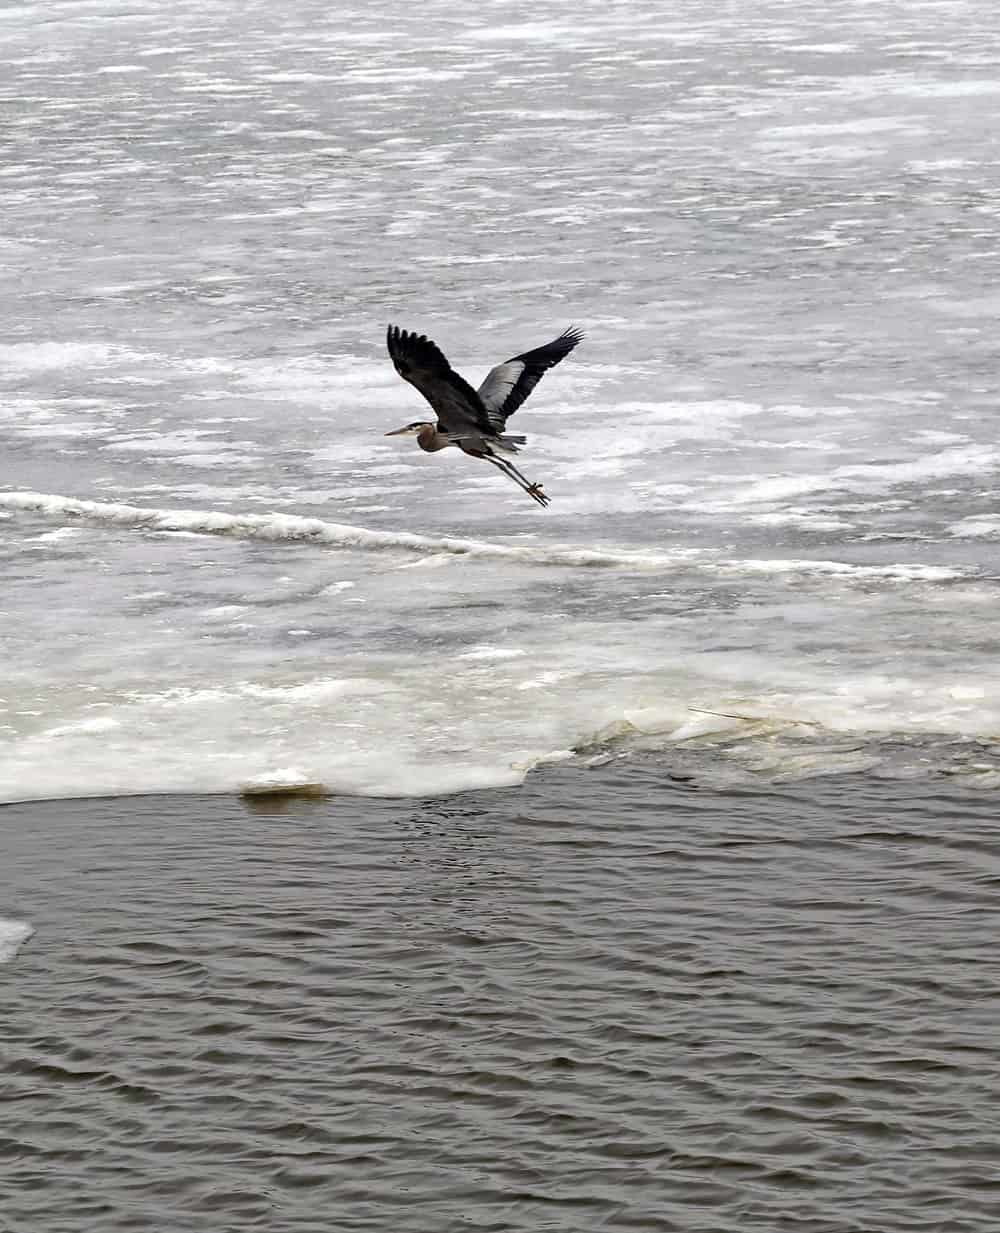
533,490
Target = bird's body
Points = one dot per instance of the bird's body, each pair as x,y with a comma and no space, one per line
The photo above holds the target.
474,420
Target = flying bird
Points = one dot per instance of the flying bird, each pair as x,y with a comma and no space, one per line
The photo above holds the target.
474,420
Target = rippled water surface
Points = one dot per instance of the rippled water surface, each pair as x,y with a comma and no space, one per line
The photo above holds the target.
608,1000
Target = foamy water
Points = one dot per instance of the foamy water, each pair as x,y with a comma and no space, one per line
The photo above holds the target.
772,540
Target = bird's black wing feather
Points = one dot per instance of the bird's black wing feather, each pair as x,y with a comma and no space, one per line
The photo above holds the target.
510,383
422,363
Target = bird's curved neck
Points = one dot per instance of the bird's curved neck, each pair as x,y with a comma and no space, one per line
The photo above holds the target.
430,440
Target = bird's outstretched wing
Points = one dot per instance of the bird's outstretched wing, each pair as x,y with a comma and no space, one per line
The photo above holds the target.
510,383
422,363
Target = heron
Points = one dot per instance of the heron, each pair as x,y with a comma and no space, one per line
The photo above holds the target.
474,420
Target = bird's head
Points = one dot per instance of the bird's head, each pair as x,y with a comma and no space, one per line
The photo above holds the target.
410,430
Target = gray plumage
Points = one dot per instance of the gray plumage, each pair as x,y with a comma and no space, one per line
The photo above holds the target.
510,383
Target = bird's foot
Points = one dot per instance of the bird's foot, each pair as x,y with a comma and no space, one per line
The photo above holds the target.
535,491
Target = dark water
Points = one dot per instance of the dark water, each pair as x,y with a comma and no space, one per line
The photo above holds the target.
609,1000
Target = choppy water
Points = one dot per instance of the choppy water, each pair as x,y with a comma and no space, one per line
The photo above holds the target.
609,1000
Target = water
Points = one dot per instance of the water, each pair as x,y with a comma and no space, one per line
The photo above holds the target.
760,610
608,1000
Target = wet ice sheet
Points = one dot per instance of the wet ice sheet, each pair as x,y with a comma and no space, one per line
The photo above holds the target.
13,935
777,228
409,667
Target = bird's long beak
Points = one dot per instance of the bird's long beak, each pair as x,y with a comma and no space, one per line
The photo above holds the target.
396,432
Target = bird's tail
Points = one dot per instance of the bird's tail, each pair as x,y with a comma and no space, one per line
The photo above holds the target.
506,443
